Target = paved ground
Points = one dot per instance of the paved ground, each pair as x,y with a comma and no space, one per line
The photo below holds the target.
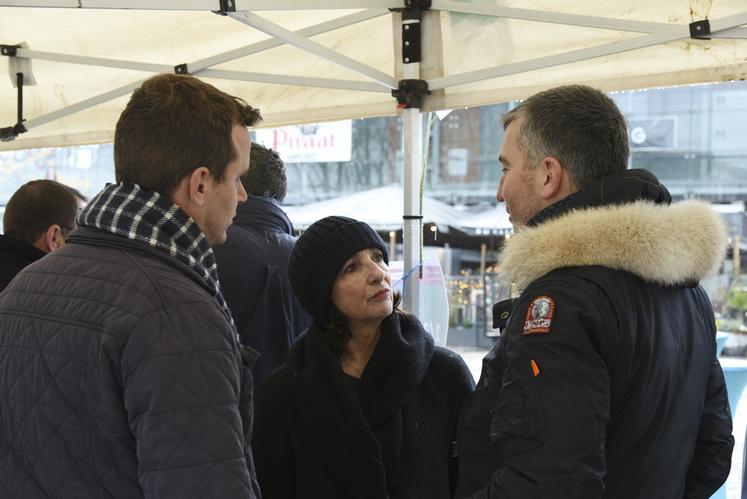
473,358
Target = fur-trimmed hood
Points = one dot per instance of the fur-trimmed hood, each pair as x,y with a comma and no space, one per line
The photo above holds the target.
665,244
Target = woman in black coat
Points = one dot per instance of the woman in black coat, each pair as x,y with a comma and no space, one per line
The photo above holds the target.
365,406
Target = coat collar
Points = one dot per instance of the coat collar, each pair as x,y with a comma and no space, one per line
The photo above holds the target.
333,421
337,420
668,245
625,186
264,214
96,237
397,366
21,249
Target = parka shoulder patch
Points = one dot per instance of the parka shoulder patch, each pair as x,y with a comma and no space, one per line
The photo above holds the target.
539,315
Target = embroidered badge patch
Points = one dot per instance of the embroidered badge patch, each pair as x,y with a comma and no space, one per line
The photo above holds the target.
539,315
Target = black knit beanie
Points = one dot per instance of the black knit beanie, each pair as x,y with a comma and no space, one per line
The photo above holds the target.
318,256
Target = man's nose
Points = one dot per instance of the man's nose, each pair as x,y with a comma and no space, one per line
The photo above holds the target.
499,192
242,193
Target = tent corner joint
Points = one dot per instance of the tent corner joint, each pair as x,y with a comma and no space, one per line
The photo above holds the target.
415,5
225,6
11,132
700,30
410,93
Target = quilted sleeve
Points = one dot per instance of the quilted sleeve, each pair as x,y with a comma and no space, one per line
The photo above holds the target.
182,372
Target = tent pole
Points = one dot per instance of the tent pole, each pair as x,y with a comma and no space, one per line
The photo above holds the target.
674,33
261,24
195,67
678,32
410,93
204,5
412,219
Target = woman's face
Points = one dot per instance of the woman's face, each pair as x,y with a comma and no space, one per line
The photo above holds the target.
363,288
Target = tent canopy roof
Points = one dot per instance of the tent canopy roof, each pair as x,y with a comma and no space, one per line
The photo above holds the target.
492,219
381,208
341,58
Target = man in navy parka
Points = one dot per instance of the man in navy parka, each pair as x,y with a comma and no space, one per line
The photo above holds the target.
605,381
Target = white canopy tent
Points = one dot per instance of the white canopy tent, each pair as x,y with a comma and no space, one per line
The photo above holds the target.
381,208
494,220
307,61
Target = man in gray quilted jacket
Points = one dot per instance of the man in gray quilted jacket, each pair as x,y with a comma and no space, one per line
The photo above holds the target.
120,370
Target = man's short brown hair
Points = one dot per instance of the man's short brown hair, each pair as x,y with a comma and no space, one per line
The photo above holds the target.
172,125
36,206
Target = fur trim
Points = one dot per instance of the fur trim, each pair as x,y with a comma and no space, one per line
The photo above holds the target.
664,244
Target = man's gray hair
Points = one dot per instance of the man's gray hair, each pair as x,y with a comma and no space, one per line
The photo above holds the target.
578,125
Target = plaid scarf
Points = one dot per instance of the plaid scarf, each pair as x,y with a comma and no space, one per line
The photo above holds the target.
129,211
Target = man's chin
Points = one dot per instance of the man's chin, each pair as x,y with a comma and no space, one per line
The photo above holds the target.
216,240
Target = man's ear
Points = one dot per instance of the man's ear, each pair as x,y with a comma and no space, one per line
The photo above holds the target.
555,179
197,183
190,193
51,239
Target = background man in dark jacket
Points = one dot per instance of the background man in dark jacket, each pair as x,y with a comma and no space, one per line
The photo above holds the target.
37,219
605,381
253,265
121,371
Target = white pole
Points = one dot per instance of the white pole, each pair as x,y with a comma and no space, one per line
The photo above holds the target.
413,149
411,223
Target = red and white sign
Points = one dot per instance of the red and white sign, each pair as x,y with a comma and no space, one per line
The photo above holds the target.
314,143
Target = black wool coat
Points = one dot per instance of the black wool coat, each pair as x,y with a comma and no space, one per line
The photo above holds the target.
14,256
319,433
253,272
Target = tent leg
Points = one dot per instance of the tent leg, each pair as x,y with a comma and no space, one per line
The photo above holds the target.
413,156
409,97
410,93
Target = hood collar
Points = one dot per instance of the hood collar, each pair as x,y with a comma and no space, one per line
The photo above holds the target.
621,187
624,222
263,213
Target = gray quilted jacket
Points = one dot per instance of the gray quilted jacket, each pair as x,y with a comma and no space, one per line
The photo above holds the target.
120,377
